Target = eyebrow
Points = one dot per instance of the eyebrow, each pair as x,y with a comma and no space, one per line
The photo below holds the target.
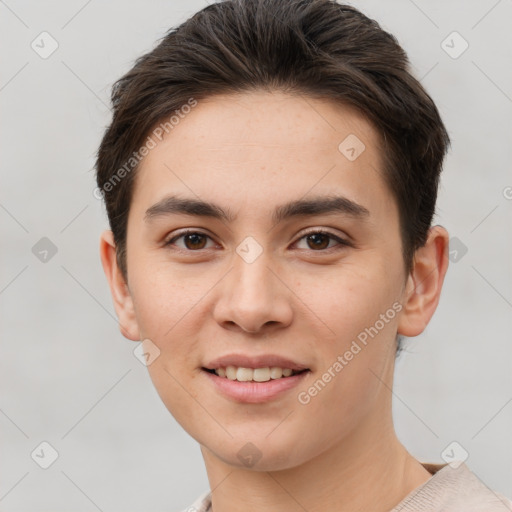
321,205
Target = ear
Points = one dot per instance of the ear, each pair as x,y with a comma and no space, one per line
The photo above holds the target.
121,296
424,283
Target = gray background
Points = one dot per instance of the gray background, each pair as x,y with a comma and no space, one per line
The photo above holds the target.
69,378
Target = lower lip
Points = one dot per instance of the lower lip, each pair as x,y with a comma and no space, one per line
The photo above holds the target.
254,392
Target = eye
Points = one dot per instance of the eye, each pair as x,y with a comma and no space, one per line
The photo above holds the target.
316,240
319,240
193,240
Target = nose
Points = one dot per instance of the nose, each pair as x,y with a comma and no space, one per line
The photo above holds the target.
253,297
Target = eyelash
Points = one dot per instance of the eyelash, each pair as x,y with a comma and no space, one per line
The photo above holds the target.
341,241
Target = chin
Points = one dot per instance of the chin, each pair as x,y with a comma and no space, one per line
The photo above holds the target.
260,454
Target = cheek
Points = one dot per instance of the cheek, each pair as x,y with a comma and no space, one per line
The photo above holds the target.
179,393
360,315
348,300
347,386
160,301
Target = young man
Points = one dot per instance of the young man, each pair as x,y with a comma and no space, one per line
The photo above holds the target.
270,177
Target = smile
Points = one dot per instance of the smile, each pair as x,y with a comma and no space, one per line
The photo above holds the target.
240,385
242,374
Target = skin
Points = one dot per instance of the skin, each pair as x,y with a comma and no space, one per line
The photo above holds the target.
249,153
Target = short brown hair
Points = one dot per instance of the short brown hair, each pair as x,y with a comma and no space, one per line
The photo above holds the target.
315,47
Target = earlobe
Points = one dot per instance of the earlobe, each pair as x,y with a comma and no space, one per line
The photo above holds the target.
121,297
424,283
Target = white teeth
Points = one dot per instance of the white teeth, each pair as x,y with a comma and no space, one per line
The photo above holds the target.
230,372
242,374
261,374
276,372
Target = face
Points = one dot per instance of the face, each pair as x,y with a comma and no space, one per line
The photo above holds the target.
318,284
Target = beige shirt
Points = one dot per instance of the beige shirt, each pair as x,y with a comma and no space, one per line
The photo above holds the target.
451,488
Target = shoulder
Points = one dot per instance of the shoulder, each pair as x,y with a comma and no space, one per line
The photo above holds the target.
201,504
454,488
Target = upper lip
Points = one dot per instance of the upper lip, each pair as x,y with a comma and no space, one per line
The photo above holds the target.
246,361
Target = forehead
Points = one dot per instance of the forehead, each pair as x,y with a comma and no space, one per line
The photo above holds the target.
235,123
261,147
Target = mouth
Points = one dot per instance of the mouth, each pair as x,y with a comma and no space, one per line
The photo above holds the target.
263,374
244,385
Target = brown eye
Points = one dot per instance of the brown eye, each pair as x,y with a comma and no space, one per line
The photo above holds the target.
319,241
192,240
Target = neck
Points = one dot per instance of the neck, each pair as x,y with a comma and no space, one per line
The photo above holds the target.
368,470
